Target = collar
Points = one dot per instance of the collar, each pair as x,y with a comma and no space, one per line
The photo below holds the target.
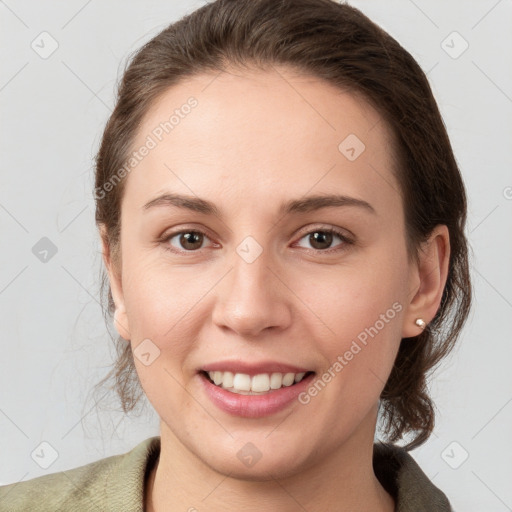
395,468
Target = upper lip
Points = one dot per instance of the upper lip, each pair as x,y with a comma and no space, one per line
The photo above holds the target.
252,368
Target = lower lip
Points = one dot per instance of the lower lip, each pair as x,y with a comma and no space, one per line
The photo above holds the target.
254,406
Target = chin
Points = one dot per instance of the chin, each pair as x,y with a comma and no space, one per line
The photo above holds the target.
270,465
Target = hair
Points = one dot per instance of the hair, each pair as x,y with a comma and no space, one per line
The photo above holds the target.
339,44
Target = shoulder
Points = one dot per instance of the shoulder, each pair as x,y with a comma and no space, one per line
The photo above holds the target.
112,483
403,478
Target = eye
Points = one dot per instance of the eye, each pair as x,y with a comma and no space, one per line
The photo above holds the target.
188,241
322,239
192,240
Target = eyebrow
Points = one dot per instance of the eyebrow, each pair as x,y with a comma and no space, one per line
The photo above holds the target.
307,204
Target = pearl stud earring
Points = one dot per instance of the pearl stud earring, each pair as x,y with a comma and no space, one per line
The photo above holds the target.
420,323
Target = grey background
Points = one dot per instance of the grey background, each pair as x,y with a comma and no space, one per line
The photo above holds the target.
55,345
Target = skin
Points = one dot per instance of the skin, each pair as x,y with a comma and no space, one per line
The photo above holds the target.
258,138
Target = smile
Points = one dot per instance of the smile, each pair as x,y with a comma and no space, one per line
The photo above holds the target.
235,393
259,384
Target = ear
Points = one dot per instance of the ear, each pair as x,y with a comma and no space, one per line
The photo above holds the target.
427,280
114,274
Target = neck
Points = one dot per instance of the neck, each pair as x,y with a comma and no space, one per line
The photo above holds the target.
343,480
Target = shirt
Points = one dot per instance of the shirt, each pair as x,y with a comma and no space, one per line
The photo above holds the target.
116,484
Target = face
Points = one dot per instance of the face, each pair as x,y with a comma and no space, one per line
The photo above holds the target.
259,278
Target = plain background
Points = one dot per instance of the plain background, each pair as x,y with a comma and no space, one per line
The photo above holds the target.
55,344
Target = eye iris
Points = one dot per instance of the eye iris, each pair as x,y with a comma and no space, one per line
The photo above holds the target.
322,237
191,238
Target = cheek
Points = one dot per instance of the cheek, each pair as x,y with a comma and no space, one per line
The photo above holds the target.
360,307
350,299
161,300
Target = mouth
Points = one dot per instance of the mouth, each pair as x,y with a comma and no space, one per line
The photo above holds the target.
253,390
259,384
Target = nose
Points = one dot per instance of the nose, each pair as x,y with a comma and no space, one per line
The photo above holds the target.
253,298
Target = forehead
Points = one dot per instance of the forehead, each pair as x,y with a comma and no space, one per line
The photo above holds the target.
262,134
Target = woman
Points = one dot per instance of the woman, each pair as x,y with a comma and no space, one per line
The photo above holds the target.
282,221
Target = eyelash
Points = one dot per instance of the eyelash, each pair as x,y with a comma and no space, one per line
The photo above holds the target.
346,241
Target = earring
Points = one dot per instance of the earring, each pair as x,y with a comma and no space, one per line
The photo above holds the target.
420,323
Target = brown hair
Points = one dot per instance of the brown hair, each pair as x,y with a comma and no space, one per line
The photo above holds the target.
339,44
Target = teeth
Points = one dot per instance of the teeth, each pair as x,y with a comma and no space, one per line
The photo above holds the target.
276,380
262,383
242,382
